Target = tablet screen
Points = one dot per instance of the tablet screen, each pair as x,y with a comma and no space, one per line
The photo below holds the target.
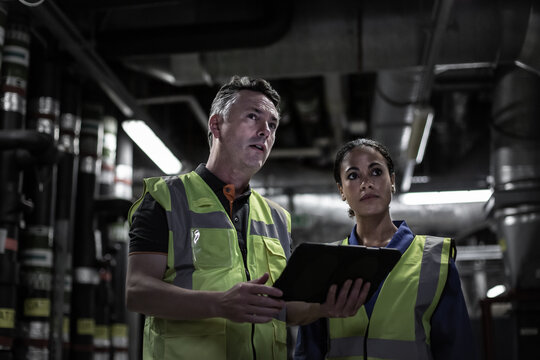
314,267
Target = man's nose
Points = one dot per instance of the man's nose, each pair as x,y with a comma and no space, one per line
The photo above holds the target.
264,130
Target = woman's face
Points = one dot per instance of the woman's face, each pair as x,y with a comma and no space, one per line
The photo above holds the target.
366,184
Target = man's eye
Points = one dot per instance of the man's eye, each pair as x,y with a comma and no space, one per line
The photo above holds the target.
273,126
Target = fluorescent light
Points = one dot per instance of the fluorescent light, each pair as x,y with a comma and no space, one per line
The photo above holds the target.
152,146
445,197
496,291
425,136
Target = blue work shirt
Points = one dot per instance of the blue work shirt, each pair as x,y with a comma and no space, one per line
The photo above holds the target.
451,332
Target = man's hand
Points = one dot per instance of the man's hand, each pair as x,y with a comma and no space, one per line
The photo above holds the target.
347,302
251,301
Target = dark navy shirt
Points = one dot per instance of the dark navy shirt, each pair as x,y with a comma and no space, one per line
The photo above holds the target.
451,332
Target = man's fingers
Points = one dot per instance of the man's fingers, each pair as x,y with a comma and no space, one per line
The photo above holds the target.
262,280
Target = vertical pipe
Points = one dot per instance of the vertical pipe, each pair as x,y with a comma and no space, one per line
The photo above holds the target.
106,177
9,266
103,299
68,155
39,185
118,236
15,60
86,276
123,180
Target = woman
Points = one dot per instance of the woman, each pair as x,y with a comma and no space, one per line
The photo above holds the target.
402,320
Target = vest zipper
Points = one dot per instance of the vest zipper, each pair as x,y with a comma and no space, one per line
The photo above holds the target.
252,344
366,337
229,192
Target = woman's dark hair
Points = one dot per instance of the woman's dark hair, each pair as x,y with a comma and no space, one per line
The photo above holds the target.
345,149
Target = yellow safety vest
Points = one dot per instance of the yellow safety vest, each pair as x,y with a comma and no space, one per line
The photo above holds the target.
204,255
399,327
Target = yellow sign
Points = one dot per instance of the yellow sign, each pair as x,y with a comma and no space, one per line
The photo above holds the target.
86,326
40,307
7,318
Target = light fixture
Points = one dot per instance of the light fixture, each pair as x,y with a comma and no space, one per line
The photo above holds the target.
152,146
418,134
496,291
445,197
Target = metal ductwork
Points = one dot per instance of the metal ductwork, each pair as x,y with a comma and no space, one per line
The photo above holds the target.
515,159
458,37
515,166
168,27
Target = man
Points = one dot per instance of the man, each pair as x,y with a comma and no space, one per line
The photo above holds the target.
203,246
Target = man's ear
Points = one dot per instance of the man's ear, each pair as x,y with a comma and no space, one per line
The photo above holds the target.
214,125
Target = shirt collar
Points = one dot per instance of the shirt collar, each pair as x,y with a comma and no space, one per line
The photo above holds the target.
396,242
215,183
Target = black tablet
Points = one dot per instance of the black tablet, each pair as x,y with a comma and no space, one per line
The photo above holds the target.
314,267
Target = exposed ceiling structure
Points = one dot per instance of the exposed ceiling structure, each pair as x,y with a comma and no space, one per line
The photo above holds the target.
344,69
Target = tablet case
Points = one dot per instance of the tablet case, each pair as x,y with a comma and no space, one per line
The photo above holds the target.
314,267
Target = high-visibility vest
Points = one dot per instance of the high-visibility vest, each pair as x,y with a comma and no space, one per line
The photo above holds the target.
204,255
399,326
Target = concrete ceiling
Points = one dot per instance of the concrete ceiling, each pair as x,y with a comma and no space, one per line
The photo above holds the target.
344,69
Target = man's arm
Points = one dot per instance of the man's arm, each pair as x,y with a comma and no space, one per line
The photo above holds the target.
350,298
148,294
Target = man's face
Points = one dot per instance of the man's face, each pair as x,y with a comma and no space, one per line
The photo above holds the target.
248,133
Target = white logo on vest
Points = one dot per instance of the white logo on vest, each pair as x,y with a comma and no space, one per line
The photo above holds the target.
196,236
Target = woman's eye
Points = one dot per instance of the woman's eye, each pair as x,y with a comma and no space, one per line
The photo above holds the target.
376,172
352,176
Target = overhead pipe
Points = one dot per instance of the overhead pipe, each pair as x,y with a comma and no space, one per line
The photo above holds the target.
400,110
272,24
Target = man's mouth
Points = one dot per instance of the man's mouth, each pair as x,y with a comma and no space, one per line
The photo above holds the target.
259,147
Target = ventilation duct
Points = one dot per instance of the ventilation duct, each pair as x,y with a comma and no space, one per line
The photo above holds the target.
515,166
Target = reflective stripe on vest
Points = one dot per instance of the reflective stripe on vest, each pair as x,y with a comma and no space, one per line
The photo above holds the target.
429,284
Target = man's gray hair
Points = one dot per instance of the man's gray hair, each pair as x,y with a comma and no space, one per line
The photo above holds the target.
228,93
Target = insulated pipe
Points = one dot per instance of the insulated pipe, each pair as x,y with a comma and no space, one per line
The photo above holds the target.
103,300
515,167
15,57
68,156
86,278
108,163
37,258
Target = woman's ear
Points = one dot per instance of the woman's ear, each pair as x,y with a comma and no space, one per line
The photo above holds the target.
393,181
340,189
